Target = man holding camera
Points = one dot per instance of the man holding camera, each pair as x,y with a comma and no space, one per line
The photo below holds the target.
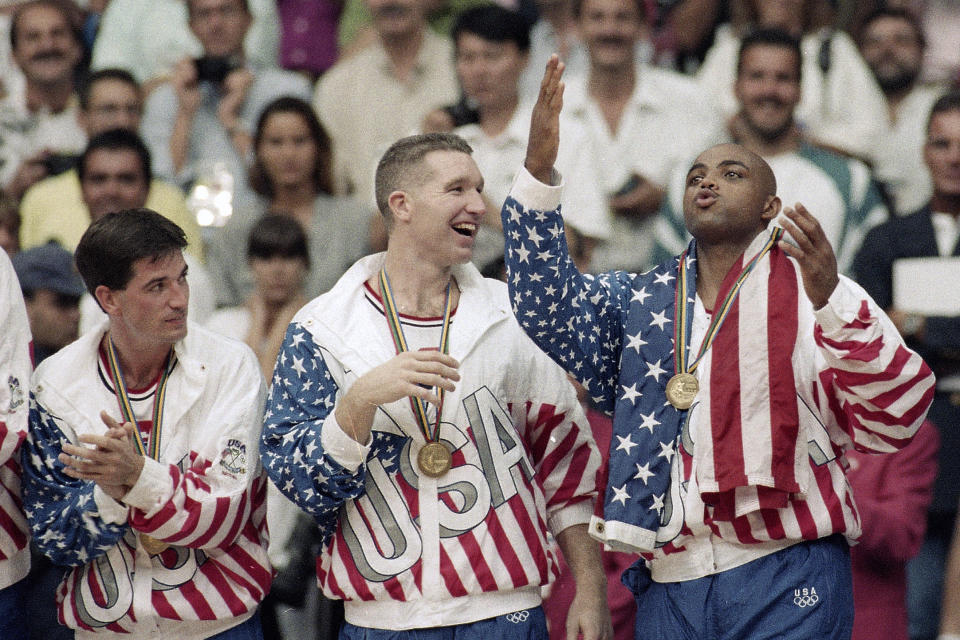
206,113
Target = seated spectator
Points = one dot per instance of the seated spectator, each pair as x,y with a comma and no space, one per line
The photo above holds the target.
54,208
9,225
291,175
892,493
841,107
51,290
204,114
492,45
128,38
370,99
892,43
41,122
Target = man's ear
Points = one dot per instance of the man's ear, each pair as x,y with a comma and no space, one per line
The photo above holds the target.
400,206
771,209
107,298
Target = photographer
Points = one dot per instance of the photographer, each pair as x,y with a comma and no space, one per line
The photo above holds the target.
204,114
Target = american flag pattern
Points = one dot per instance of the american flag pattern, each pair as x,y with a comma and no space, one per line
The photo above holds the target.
14,388
205,496
856,384
523,463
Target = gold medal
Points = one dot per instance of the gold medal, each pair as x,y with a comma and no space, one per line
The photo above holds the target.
151,545
682,389
434,459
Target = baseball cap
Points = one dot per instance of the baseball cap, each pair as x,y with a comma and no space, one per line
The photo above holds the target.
48,267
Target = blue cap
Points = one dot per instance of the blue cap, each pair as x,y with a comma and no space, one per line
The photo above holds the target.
48,267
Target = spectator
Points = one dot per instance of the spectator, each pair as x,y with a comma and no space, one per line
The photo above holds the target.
114,175
841,105
929,233
291,175
54,208
308,34
167,537
492,45
555,31
9,225
838,190
42,121
205,113
129,39
892,494
384,92
892,43
641,122
15,373
51,290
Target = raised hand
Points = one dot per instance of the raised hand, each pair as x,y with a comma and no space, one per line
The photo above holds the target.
544,140
818,264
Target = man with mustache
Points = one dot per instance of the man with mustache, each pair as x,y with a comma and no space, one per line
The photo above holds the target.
641,121
737,373
837,189
382,93
141,471
42,120
892,43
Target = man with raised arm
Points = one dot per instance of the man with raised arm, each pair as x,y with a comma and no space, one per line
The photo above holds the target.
433,444
726,466
140,466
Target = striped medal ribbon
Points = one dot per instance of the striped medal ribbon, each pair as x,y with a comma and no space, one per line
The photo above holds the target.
150,544
434,458
682,388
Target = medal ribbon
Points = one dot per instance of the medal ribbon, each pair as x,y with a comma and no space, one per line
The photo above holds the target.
681,330
126,407
430,434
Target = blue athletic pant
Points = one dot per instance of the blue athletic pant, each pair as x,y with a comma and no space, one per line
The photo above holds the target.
528,624
802,592
249,629
12,621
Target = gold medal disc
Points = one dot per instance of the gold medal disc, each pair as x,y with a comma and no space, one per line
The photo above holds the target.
151,545
434,459
682,389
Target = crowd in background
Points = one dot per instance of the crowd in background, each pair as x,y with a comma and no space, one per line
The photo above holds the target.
256,126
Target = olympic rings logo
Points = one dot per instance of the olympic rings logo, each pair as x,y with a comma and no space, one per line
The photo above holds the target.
806,598
517,616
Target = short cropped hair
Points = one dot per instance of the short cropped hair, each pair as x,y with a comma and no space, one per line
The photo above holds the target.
69,11
276,235
493,23
947,102
771,38
110,246
112,73
402,160
116,140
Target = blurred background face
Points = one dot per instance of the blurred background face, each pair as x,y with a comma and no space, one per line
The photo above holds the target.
942,153
219,25
489,71
892,49
397,18
113,104
787,15
610,30
46,50
287,152
768,89
54,318
114,180
278,279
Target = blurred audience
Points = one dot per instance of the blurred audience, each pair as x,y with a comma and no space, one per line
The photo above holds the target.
41,122
931,232
291,175
308,34
842,106
892,43
892,493
205,113
9,225
641,123
555,31
383,92
54,207
129,38
51,289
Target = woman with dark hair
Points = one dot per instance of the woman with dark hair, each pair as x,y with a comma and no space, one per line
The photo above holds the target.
291,175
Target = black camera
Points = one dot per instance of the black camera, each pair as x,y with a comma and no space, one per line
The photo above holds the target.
213,68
